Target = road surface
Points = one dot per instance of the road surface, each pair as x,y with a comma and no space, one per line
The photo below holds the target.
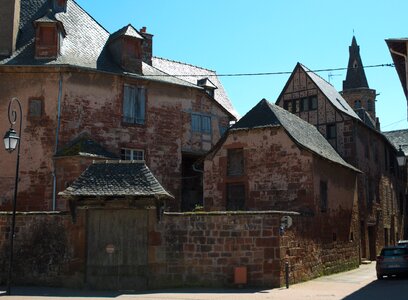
357,284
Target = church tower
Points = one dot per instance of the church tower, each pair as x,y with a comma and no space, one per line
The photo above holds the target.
355,88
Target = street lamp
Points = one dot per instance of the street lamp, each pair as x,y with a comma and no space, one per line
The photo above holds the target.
401,159
11,141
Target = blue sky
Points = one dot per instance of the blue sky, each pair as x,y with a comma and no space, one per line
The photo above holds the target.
251,36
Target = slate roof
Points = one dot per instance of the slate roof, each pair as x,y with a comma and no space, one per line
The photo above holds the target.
180,70
399,45
366,118
398,138
84,146
331,93
355,77
84,46
117,178
127,30
265,114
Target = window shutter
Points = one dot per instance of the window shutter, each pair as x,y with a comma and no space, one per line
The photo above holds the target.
141,103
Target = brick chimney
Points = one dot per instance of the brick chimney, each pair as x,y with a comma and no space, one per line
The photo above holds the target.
9,26
147,46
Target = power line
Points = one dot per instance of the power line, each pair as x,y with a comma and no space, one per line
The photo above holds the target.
388,125
271,73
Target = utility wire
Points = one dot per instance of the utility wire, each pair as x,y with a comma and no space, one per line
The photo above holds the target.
271,73
388,125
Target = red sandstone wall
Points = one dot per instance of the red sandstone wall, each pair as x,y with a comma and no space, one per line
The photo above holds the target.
48,249
190,249
277,176
92,102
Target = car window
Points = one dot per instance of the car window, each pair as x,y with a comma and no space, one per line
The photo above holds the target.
394,252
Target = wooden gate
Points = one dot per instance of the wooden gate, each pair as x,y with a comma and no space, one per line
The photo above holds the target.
117,249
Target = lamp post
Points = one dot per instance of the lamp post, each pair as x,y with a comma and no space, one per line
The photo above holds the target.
401,159
11,141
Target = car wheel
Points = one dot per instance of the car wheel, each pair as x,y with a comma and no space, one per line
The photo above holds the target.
379,276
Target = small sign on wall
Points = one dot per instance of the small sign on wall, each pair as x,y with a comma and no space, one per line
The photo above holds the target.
110,248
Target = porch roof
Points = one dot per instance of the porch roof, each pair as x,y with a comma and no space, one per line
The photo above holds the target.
116,178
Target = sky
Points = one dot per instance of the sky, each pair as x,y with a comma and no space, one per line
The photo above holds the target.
256,36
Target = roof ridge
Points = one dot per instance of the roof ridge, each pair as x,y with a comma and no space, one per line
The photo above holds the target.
173,76
184,63
311,71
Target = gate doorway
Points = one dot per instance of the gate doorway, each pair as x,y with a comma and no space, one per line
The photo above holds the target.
117,249
372,242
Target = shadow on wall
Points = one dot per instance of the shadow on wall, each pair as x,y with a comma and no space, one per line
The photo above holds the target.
40,253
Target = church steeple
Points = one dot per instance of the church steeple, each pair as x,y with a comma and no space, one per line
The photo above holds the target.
355,88
356,77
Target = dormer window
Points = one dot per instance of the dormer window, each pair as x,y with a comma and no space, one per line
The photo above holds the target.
125,46
46,44
207,85
48,36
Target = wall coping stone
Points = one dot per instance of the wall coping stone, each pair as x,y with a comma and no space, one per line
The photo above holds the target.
227,213
34,213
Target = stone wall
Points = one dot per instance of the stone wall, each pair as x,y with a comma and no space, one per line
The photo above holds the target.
184,249
48,249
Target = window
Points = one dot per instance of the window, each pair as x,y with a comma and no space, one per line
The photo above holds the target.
288,105
235,196
304,104
357,104
134,102
235,162
313,102
200,123
331,131
323,196
35,108
132,154
369,105
223,129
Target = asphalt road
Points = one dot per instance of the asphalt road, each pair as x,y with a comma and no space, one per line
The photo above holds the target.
357,284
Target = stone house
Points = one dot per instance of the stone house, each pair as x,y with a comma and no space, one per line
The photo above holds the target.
90,95
273,160
349,123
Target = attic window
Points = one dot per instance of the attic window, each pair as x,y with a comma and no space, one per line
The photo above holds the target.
47,45
207,85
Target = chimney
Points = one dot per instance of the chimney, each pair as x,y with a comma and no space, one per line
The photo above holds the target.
9,26
147,46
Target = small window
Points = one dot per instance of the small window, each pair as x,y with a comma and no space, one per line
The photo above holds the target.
223,129
200,123
331,131
357,104
369,105
134,102
35,108
48,36
235,196
132,154
304,104
288,105
323,196
235,162
313,102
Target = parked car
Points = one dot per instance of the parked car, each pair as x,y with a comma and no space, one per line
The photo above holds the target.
403,243
392,261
